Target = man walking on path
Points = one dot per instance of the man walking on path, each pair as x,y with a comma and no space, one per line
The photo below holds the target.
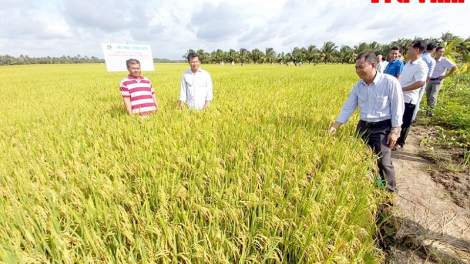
412,79
431,62
380,100
438,76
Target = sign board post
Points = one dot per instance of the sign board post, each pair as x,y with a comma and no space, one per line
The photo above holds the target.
116,55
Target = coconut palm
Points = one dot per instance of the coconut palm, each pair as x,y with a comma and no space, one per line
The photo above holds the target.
361,47
281,57
299,54
232,55
403,44
244,55
447,37
327,51
344,54
374,46
256,56
270,55
218,56
185,56
312,53
203,56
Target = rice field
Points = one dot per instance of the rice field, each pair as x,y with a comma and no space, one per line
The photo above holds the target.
254,179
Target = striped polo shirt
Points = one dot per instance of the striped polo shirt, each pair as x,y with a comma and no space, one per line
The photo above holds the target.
140,92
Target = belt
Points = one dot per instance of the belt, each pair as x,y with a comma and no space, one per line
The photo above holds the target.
376,124
434,79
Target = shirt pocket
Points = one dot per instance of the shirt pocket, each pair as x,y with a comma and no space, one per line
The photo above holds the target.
380,103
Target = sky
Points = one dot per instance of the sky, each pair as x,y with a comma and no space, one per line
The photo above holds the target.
40,28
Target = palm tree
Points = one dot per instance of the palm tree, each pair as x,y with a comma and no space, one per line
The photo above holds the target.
447,37
270,55
256,56
312,53
361,47
296,55
433,40
403,44
289,57
464,50
327,51
185,56
244,55
218,56
281,57
203,56
232,55
374,46
344,54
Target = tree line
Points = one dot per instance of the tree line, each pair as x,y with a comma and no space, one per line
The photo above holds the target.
457,47
25,59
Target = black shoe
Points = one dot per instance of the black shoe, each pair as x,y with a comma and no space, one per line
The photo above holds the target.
397,147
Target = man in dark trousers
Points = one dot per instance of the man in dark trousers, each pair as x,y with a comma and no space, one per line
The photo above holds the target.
380,100
412,79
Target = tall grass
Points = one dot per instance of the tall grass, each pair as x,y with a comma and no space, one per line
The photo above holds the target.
254,179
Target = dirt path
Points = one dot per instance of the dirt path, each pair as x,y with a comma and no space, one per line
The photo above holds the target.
431,223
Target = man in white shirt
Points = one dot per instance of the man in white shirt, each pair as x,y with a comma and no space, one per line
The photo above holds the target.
438,76
380,101
412,78
381,63
431,62
196,86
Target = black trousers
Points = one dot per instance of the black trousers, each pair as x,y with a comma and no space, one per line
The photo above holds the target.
376,138
405,127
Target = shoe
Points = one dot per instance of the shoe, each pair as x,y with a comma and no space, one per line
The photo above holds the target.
397,147
413,121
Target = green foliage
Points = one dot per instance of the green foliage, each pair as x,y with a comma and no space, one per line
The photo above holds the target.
453,104
452,114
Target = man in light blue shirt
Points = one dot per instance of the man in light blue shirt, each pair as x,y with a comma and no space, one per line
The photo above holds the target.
381,104
431,62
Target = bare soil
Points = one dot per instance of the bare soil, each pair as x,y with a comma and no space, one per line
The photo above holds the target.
431,223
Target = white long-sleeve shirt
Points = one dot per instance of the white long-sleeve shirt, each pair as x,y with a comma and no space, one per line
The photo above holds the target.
196,88
378,101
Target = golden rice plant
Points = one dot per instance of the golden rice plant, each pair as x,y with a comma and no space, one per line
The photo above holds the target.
254,179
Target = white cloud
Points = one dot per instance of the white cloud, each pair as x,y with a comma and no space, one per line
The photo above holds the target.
55,28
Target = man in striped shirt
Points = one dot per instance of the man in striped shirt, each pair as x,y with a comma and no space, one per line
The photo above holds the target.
137,91
380,100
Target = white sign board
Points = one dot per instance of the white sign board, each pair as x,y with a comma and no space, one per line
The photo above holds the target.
116,55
